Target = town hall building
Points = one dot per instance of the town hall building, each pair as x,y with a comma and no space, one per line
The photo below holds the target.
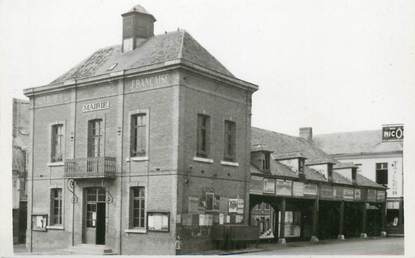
145,148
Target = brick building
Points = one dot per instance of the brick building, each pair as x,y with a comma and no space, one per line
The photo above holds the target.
145,148
140,147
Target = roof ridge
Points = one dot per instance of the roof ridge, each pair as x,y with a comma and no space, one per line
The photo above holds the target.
347,132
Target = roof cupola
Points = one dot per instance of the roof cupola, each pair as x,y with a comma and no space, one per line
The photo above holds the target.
138,26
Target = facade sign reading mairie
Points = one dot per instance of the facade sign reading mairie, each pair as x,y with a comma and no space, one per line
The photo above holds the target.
89,107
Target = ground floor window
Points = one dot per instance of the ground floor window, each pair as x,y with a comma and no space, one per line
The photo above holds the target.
56,206
137,207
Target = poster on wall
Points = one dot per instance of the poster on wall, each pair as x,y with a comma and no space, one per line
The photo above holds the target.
269,185
283,187
193,204
233,206
39,222
240,206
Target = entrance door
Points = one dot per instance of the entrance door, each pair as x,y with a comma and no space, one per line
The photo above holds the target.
100,230
94,216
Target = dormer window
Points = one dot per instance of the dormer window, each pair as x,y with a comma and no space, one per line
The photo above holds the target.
265,161
330,171
301,165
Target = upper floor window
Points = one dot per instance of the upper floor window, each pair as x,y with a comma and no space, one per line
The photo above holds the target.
230,141
138,144
137,207
57,143
56,206
95,132
382,173
203,130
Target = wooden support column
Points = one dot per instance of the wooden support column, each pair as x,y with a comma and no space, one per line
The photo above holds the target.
314,236
383,219
341,221
281,238
363,233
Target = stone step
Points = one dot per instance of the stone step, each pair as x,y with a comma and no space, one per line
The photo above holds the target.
89,249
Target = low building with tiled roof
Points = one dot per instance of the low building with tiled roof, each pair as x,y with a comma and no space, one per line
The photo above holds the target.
379,157
290,173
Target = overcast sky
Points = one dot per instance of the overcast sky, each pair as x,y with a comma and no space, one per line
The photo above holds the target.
332,65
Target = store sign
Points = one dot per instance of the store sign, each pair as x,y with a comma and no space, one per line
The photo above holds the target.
380,195
371,195
326,191
310,189
150,82
101,105
256,185
392,133
348,194
269,185
283,187
298,189
338,192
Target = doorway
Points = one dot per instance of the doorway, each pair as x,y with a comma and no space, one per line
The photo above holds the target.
94,216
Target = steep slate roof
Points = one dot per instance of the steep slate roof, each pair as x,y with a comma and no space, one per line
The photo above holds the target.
355,143
282,143
177,45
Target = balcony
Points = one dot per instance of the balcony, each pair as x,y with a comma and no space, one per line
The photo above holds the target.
94,167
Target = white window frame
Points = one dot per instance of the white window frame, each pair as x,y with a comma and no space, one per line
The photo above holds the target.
56,226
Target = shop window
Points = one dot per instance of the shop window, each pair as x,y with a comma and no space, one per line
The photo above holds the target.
56,206
230,141
138,144
95,137
382,173
137,207
57,143
203,128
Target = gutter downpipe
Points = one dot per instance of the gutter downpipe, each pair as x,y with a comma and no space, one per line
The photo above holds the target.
31,174
121,154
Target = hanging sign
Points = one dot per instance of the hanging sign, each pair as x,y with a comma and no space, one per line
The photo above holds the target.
89,107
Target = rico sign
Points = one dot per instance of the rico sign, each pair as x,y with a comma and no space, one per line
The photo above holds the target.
392,133
89,107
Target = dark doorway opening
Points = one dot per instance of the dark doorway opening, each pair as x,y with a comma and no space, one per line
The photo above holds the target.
100,229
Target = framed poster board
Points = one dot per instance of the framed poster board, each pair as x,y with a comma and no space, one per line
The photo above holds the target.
158,221
39,222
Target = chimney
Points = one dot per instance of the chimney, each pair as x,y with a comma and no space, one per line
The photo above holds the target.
137,27
306,133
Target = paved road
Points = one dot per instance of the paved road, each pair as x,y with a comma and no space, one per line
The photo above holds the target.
382,246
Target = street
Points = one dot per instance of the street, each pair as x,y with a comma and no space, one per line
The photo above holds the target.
378,246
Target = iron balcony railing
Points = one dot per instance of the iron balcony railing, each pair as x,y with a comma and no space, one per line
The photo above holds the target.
92,167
